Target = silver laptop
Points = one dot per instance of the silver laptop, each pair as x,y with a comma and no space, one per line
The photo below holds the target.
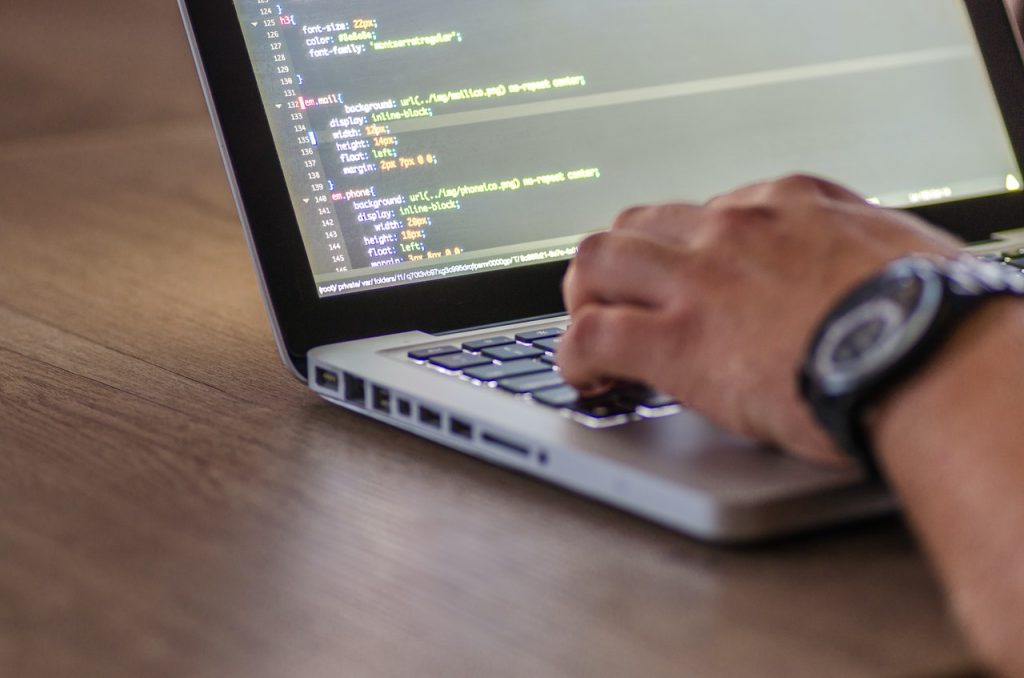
414,177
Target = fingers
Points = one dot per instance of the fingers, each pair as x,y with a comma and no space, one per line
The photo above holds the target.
614,342
672,223
679,223
622,268
787,189
797,184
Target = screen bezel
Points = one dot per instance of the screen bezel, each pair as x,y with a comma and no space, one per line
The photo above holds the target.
305,321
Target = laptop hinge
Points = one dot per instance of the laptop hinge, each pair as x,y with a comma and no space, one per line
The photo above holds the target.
1000,242
503,323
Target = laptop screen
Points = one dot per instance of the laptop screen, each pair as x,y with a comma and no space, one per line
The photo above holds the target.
427,140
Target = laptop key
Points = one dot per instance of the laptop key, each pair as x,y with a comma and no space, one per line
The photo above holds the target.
566,397
460,361
561,396
481,344
535,335
425,354
518,368
549,345
532,382
514,352
1017,262
637,395
657,400
549,359
604,407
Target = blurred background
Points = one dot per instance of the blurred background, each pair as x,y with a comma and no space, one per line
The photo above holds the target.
84,85
72,66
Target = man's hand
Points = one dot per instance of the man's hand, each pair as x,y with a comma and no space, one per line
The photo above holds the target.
716,304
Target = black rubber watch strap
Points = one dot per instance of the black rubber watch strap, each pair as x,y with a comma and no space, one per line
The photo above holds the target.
844,415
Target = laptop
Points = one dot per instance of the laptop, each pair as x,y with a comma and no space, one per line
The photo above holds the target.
413,179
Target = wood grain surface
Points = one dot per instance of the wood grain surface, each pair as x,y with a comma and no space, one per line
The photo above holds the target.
173,503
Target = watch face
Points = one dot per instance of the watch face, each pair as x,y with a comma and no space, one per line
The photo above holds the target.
875,327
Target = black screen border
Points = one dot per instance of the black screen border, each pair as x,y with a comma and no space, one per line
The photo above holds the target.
305,321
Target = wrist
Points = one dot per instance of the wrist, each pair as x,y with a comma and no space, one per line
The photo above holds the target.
889,330
924,408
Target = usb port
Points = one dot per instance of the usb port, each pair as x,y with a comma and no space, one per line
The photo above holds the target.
326,379
404,407
355,389
430,417
381,399
461,429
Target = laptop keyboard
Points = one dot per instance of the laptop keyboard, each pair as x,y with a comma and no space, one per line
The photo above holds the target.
1013,259
524,366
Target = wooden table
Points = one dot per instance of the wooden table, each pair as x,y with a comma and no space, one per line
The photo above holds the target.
173,503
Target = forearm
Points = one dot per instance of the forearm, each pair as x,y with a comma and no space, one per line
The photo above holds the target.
951,442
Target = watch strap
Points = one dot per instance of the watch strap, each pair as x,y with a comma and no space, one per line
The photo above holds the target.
967,285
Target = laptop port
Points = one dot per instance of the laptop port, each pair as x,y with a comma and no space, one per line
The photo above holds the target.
461,429
326,379
355,389
404,407
381,399
430,417
506,445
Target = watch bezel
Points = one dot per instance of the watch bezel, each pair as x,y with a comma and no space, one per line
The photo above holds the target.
836,381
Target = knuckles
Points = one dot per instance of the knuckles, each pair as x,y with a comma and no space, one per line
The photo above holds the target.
588,262
585,332
798,185
629,217
600,251
682,318
590,248
598,331
734,225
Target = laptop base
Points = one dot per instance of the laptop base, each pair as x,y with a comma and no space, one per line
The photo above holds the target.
679,471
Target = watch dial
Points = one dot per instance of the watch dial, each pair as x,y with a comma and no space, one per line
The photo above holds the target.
860,340
875,327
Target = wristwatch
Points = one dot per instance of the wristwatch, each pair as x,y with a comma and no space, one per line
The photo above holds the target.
885,330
